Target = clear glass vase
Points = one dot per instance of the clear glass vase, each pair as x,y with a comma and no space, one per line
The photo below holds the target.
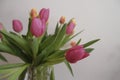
39,73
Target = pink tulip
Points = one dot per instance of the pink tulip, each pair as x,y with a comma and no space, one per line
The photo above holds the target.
75,54
44,14
85,55
70,27
37,27
1,28
17,26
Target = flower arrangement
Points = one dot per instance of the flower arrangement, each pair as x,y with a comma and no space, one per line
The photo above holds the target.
39,50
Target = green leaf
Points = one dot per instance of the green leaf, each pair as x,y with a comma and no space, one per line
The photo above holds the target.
68,38
29,35
9,66
5,48
69,67
89,50
79,41
57,29
17,73
13,50
20,53
3,58
51,47
57,54
12,71
18,45
53,61
49,39
60,37
65,40
6,73
22,75
35,45
90,43
52,76
76,34
17,40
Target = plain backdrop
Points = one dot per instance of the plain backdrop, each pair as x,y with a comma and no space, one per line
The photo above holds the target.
99,19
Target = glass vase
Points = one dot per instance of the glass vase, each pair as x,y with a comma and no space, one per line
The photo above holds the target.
38,73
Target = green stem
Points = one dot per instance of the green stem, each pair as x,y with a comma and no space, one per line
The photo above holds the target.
29,33
31,73
39,73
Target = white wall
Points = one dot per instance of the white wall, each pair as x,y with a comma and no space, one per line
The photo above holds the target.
99,18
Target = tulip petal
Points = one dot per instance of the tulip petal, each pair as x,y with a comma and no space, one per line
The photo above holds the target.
44,14
37,27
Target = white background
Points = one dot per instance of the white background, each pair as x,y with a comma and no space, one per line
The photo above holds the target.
99,18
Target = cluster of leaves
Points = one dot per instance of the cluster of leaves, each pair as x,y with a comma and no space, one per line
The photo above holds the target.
33,51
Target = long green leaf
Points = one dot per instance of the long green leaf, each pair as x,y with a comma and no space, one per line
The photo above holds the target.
78,42
17,40
13,50
52,76
13,71
20,53
22,75
17,51
6,73
49,39
54,61
90,43
35,45
69,67
57,29
68,38
57,40
60,37
29,35
9,66
89,50
53,46
57,54
5,48
16,75
76,34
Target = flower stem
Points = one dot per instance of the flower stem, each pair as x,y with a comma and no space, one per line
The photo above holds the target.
31,73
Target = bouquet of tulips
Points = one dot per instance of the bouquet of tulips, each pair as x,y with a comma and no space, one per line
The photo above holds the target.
39,50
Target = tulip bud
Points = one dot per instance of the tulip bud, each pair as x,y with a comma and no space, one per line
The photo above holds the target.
75,54
73,21
37,27
44,14
70,27
17,26
62,20
73,43
33,13
1,28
